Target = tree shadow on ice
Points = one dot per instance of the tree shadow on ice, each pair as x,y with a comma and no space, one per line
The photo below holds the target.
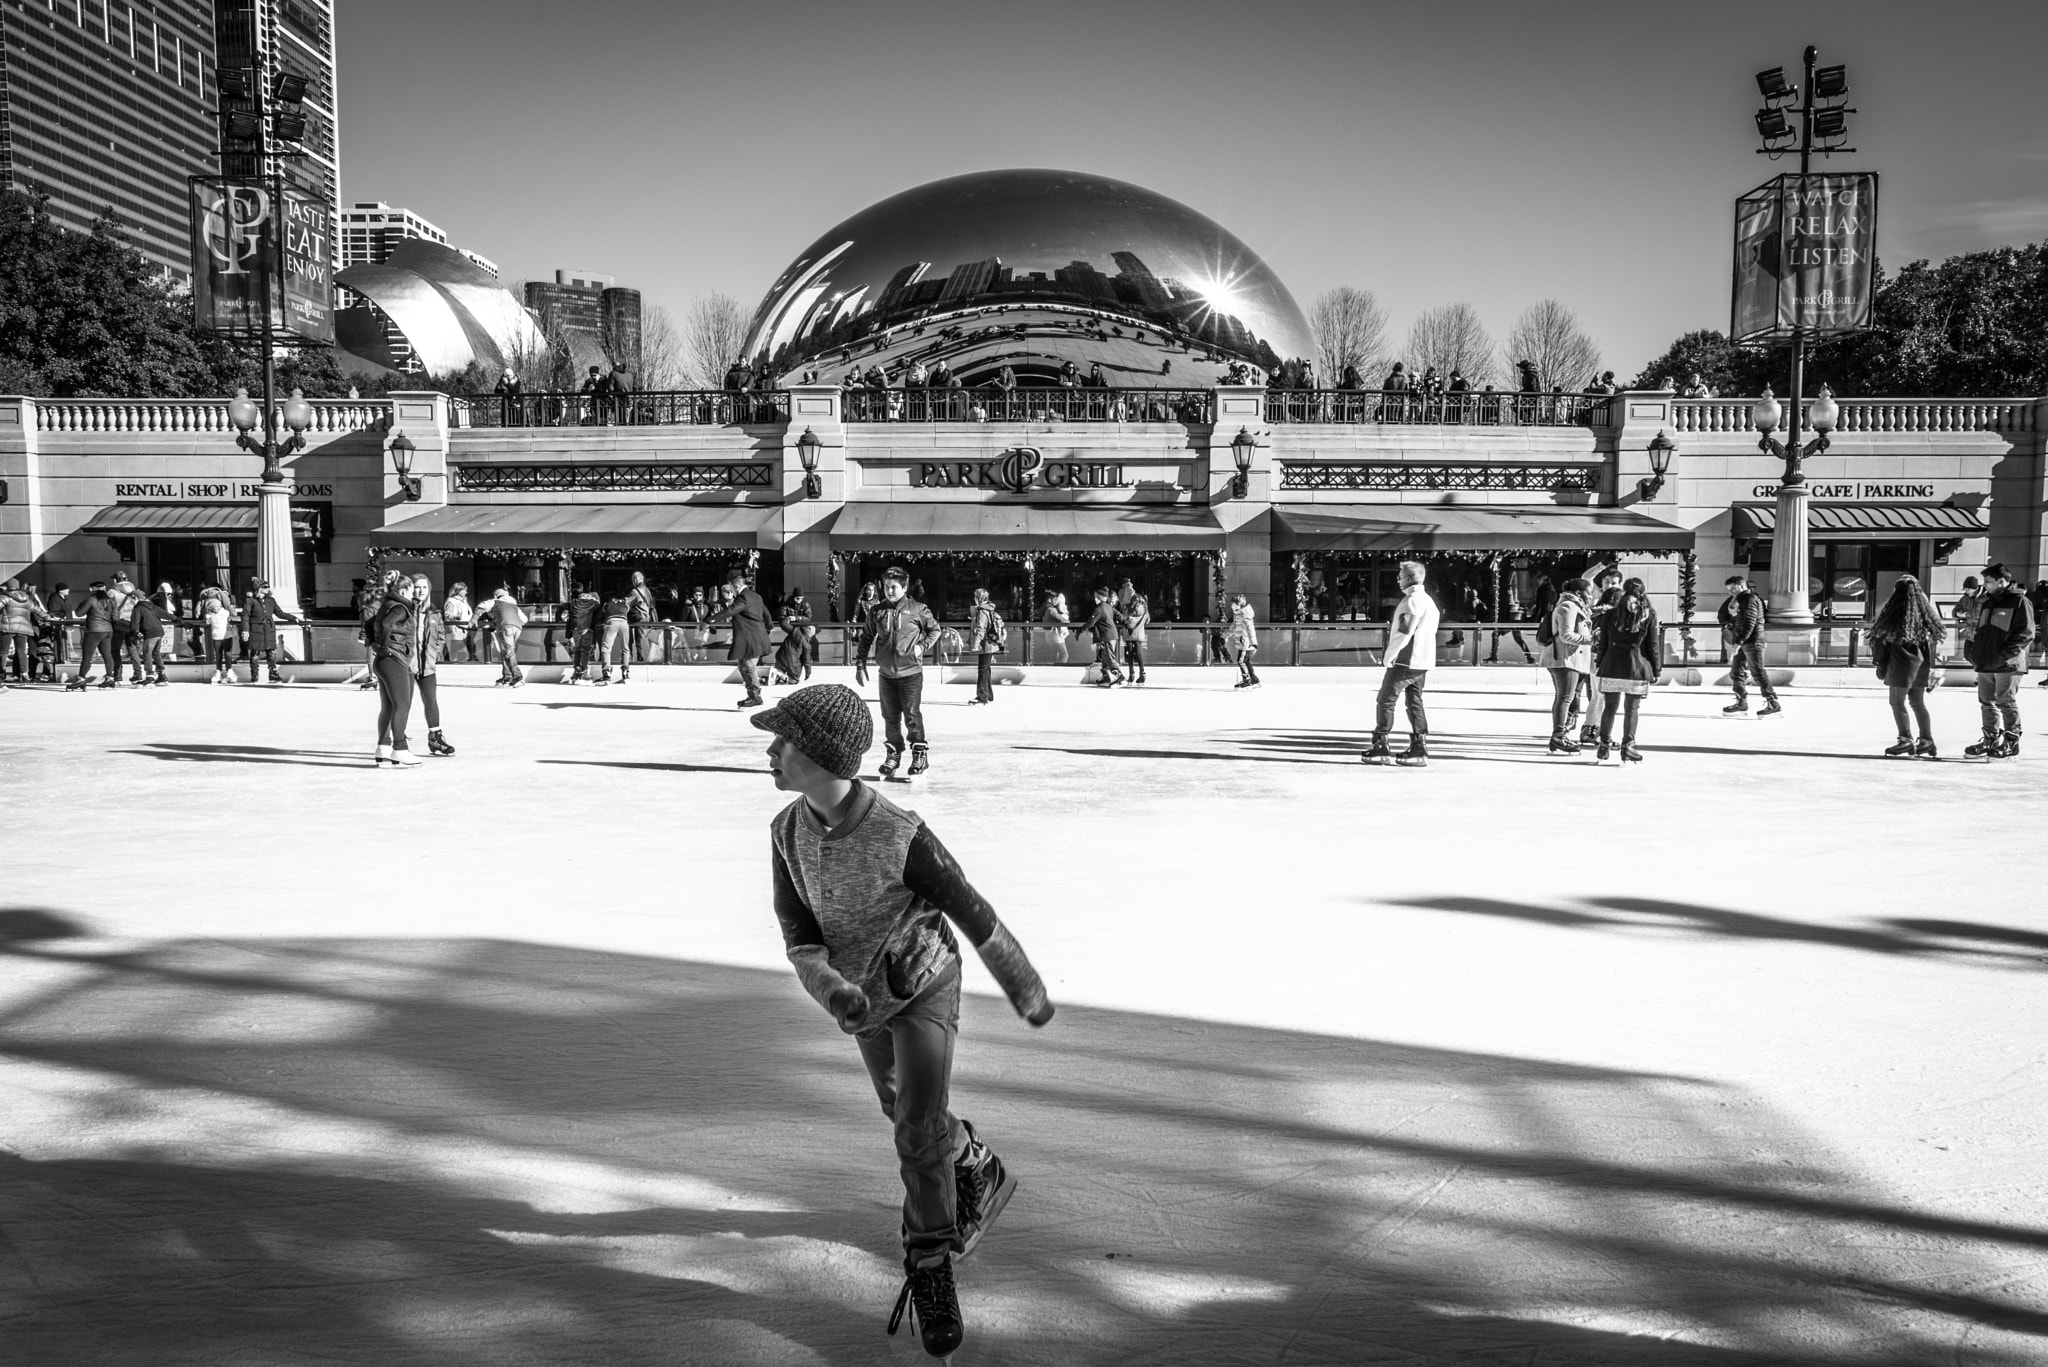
485,1152
249,754
1961,941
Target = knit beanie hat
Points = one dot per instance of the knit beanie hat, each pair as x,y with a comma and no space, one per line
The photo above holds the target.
830,723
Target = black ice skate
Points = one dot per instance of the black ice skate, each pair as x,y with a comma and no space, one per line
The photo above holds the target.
920,760
1987,748
935,1305
982,1186
891,759
437,744
1416,756
1378,754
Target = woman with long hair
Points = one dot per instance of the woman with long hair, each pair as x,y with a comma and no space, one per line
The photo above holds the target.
1244,640
394,635
1905,641
430,625
1626,662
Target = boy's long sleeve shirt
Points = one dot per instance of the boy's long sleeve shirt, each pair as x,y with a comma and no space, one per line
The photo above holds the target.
868,904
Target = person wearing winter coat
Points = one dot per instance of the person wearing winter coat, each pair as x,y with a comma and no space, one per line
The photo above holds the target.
1626,662
122,596
748,613
1998,652
1102,626
430,635
985,638
1242,640
616,613
1742,630
20,618
149,643
1568,655
581,617
170,608
260,616
1134,614
460,617
395,635
1905,642
1055,617
96,611
897,635
218,617
1410,655
505,620
793,656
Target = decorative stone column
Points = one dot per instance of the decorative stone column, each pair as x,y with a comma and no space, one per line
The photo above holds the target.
274,562
1790,554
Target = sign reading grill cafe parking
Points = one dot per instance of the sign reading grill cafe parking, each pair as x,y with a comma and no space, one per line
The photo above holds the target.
1016,470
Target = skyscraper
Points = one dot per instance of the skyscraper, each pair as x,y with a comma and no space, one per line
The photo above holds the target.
278,36
597,320
111,105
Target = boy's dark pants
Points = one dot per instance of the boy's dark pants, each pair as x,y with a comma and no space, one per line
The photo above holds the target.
902,707
1397,681
910,1059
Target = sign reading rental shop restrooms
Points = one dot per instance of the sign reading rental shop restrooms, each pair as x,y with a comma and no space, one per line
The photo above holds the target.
203,491
1805,257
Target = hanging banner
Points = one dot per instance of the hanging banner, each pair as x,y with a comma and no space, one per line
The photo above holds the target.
242,229
1805,257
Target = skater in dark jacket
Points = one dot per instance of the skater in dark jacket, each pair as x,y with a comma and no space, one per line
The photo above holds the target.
898,633
1742,629
864,892
432,638
581,619
750,618
394,635
148,623
1625,659
1905,641
260,616
1998,651
1102,625
96,610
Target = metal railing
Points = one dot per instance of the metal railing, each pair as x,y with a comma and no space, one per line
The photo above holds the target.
990,404
1871,415
1481,409
662,408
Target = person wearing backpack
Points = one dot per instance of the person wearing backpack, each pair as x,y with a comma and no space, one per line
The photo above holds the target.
1626,664
986,637
1566,636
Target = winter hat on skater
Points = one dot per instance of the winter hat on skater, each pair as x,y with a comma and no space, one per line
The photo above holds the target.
830,723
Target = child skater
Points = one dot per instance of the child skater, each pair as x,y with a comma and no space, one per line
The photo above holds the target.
864,890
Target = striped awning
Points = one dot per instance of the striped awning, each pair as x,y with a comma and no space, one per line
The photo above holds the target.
1419,527
192,519
1873,521
467,527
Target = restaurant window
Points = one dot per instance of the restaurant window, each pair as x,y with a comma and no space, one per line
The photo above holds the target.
1850,580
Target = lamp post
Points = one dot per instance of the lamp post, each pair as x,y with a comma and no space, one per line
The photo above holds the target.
1661,449
1788,605
807,447
401,462
274,562
1241,447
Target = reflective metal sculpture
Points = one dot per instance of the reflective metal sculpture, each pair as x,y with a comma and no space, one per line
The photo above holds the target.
1034,271
451,310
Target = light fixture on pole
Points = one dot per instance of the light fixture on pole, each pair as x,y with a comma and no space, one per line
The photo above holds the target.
1661,449
245,413
1241,447
807,451
401,461
1767,412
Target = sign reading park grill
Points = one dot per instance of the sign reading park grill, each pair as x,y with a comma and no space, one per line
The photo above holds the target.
203,491
1016,470
1805,255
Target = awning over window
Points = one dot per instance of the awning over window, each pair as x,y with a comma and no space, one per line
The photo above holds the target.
579,526
1867,521
197,520
1013,527
1395,527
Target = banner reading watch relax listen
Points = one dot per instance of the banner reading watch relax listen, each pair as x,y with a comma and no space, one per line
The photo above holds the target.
1805,257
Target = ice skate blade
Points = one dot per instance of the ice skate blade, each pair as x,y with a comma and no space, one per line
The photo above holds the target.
997,1199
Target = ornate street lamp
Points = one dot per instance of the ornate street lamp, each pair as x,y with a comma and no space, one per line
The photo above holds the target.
401,461
1661,449
1241,447
273,495
1789,551
807,451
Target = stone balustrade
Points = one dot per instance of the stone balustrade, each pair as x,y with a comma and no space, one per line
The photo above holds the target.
194,415
1872,415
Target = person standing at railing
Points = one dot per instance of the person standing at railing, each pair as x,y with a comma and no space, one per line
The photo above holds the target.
1695,388
19,620
505,619
1394,395
96,611
616,614
124,595
1410,655
793,656
167,608
1905,641
508,391
260,616
1055,617
461,619
149,643
1742,635
219,616
580,619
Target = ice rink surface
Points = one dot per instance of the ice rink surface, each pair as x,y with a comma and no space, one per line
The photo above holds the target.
1736,1056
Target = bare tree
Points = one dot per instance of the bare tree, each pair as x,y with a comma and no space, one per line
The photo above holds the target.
1548,334
714,330
1350,328
1451,337
664,362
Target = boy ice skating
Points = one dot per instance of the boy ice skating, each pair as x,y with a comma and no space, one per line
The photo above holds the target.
863,891
899,632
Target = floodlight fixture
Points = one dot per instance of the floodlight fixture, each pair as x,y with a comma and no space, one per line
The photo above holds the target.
1774,86
1831,83
1771,125
289,127
1829,124
288,87
243,126
232,82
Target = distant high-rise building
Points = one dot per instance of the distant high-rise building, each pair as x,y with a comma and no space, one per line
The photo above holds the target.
369,233
598,320
108,105
273,37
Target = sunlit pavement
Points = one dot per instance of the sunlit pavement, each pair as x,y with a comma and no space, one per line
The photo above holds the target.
1735,1056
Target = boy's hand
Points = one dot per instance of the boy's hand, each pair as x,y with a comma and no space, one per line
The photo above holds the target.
848,1005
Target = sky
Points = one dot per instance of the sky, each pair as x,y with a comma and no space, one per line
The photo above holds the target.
1489,153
